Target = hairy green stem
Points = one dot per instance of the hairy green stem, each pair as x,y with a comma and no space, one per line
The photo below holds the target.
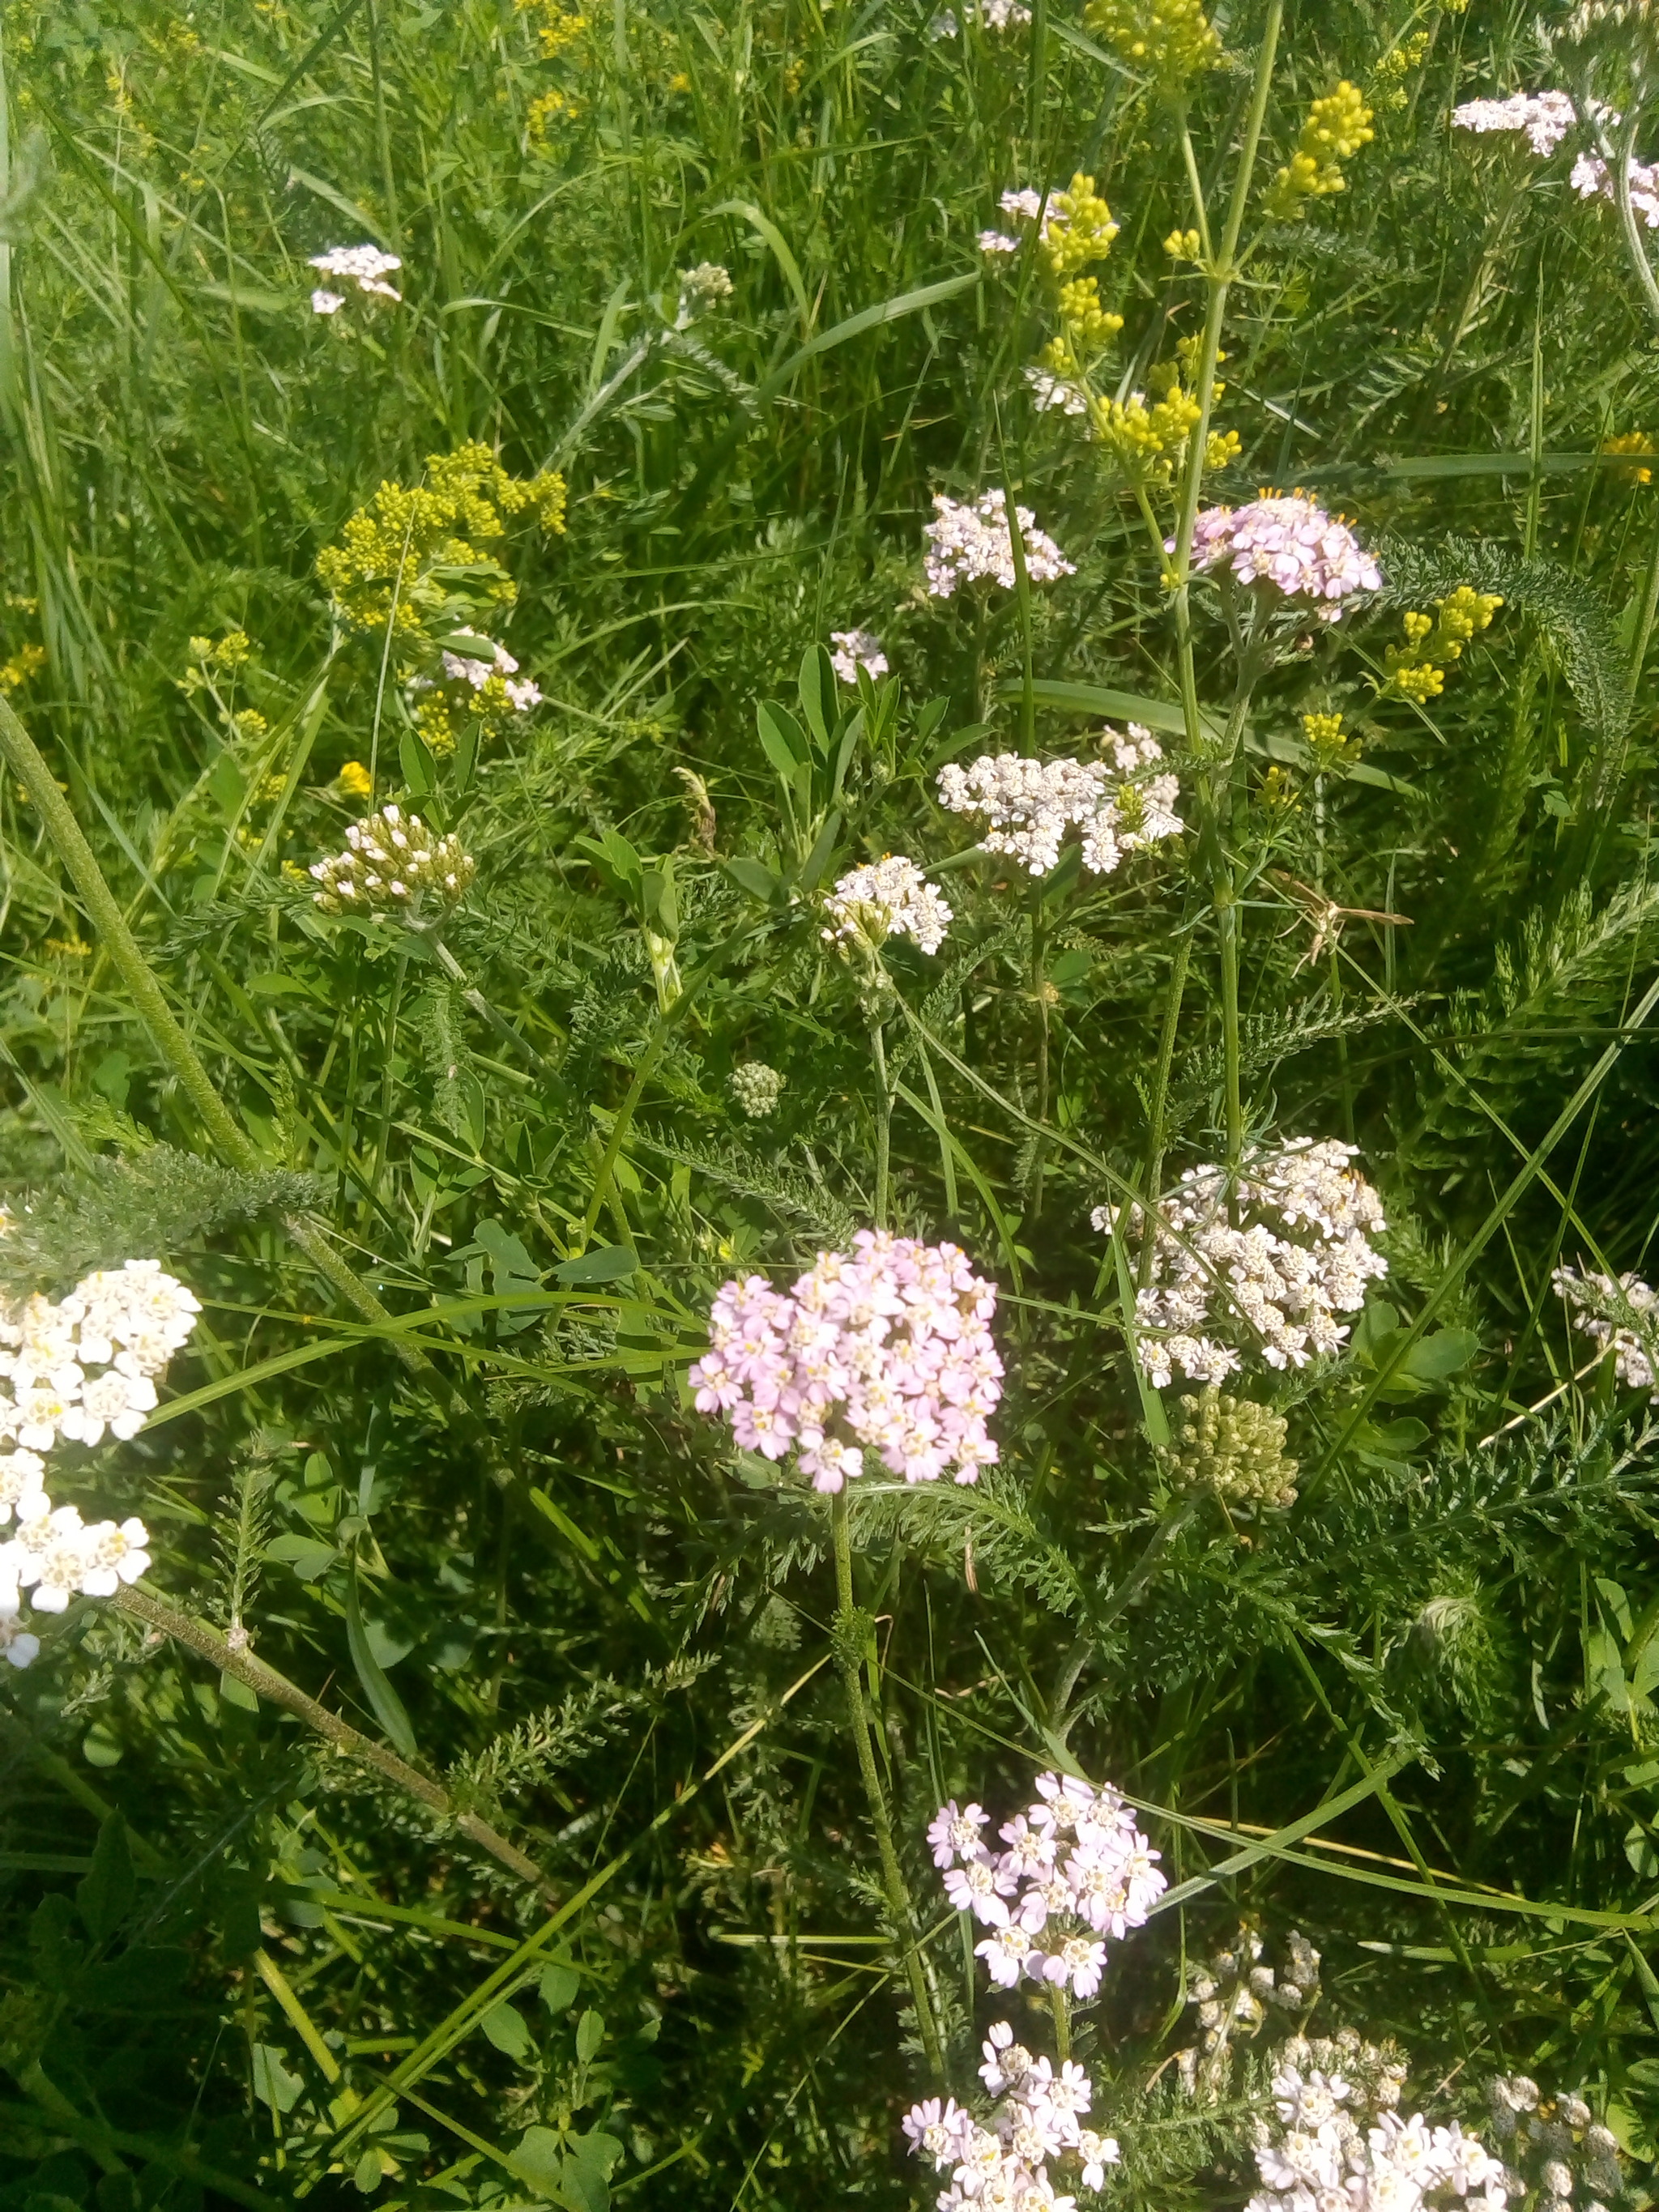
851,1632
1219,274
884,1124
1155,1121
265,1682
1039,999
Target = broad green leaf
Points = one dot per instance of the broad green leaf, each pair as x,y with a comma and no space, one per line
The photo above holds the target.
590,2033
606,1263
272,2082
505,2026
309,1555
558,1986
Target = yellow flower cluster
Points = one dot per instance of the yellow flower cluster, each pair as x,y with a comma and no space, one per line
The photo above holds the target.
555,28
1148,439
28,660
395,562
1387,88
1170,39
1332,746
547,109
1337,127
1077,228
226,655
1182,245
1636,448
1414,669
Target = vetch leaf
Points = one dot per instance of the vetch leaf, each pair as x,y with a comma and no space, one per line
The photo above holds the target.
505,2026
606,1263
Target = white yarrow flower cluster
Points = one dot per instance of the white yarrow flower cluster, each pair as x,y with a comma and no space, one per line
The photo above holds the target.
366,266
1556,2146
1030,805
1622,1317
76,1368
73,1370
889,898
1592,179
702,289
1316,2153
1299,1255
1545,117
856,649
1050,392
477,673
1003,2167
1077,1869
972,544
394,864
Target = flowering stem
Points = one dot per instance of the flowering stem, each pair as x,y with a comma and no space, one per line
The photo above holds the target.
851,1632
1040,996
26,762
1219,274
1062,2006
1178,967
265,1682
884,1122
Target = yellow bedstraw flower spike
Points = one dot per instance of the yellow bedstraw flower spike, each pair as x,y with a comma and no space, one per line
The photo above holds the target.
1077,227
1331,747
1337,127
1414,669
1182,246
407,534
1170,40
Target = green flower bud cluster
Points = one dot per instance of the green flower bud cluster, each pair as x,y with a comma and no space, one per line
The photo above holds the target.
1237,1448
757,1088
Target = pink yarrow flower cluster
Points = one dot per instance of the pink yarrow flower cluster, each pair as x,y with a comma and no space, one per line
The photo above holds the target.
1290,543
1077,1870
1545,117
1003,2167
1591,179
886,1349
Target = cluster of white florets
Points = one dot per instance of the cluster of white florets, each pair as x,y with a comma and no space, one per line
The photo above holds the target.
1290,543
702,289
1591,179
1296,1254
522,696
393,865
1545,117
1316,2153
891,897
1557,2149
73,1370
1622,1317
1003,2167
972,544
994,15
856,649
887,1349
1050,392
365,266
1077,1869
1030,805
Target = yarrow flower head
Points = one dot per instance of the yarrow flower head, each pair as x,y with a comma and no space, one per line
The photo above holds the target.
856,649
886,1349
1622,1317
1545,117
702,289
1298,1256
1030,805
469,689
365,266
127,1322
757,1088
392,864
1591,179
1290,544
1333,2137
889,898
1077,1870
972,544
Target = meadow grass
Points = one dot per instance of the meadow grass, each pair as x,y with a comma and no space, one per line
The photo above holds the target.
503,1789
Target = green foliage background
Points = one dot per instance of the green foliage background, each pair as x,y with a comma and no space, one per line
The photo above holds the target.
497,1535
